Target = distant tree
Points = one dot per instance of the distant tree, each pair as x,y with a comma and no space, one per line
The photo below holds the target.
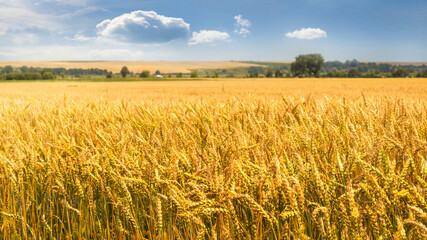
400,72
8,69
352,63
35,76
109,75
385,67
125,71
309,64
48,75
254,75
144,74
157,72
424,74
352,73
278,73
62,75
194,74
22,76
179,75
215,75
25,69
269,73
255,71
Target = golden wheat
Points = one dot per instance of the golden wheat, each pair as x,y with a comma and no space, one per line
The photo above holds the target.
253,167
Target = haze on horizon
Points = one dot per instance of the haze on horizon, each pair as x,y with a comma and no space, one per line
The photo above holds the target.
200,30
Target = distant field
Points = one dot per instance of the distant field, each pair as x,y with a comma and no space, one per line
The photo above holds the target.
134,66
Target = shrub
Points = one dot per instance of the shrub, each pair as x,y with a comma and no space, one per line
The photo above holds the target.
194,74
48,75
109,75
144,74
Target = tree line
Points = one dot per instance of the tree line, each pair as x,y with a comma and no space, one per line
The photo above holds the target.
35,73
124,72
314,65
41,74
309,65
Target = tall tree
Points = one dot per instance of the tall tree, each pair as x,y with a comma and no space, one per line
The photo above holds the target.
309,64
124,71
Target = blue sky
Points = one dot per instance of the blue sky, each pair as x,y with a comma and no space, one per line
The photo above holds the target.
276,30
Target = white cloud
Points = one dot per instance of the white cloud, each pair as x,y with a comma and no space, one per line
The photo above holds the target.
242,31
18,17
81,11
21,24
144,27
68,2
242,25
241,22
80,38
307,33
208,36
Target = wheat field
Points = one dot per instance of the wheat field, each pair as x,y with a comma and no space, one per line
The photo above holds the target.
226,159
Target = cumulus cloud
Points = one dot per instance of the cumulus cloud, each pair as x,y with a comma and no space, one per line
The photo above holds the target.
242,25
307,33
208,36
144,27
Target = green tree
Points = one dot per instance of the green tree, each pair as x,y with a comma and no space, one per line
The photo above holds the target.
253,74
144,74
278,73
8,69
179,75
269,73
194,74
400,72
62,75
109,75
125,71
48,75
352,73
309,64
